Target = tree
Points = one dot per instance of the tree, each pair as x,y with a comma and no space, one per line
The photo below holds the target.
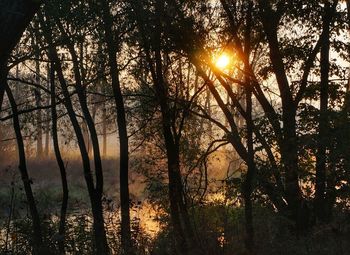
112,50
153,48
62,224
272,17
95,193
37,233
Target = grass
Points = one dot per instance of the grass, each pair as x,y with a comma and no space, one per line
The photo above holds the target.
46,185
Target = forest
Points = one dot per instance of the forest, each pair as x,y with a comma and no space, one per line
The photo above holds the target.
175,127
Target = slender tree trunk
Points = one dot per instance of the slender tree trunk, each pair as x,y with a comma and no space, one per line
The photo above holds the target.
248,182
47,121
124,160
321,156
37,236
62,224
47,135
95,196
38,99
104,130
126,241
86,136
251,170
208,109
100,232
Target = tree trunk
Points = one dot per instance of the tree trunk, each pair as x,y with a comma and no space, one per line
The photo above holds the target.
37,236
289,156
323,141
104,131
62,224
38,99
251,170
126,242
86,136
124,159
248,182
47,121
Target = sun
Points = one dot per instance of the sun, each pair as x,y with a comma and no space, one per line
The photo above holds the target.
222,61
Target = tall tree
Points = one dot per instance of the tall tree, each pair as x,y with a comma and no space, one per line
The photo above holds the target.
112,46
95,193
251,167
37,241
185,240
56,147
321,161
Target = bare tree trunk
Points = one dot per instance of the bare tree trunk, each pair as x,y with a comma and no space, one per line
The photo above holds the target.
37,236
126,241
62,224
323,141
208,108
248,182
47,122
251,171
95,196
86,136
104,131
38,99
47,136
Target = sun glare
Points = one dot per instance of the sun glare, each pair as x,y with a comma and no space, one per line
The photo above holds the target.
222,61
